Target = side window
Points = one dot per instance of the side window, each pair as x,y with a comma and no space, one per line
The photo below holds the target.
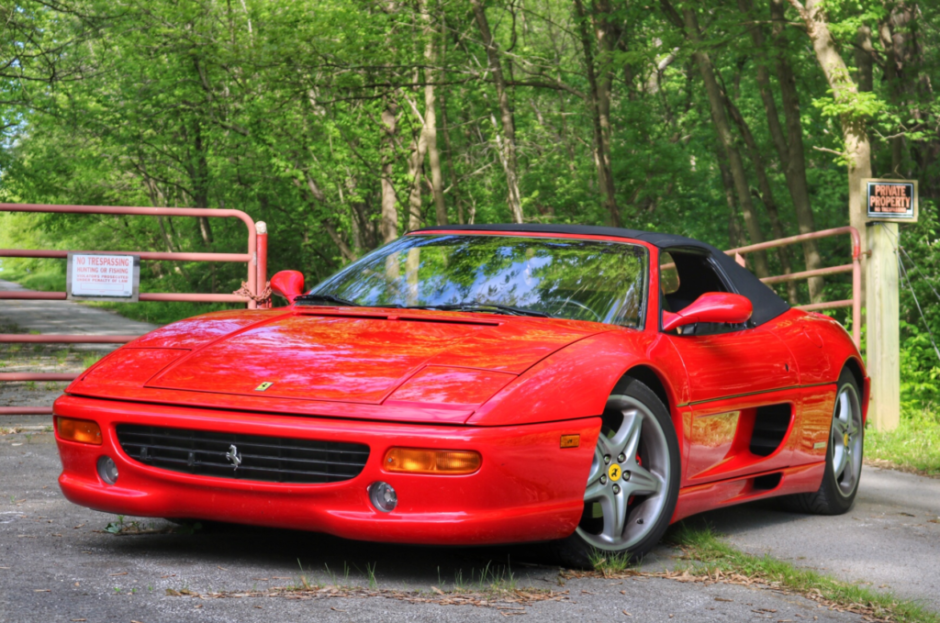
695,276
668,275
685,276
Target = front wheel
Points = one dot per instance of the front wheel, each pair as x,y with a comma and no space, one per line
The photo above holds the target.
633,483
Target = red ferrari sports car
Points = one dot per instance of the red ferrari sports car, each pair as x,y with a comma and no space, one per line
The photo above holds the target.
583,386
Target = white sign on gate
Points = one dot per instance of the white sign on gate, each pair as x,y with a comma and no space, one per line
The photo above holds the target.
103,277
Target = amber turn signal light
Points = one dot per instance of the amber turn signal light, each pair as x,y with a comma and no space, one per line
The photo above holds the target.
82,431
425,461
570,441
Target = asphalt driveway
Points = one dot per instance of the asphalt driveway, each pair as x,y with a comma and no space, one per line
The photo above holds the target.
59,563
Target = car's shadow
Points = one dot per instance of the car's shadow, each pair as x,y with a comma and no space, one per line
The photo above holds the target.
326,559
743,518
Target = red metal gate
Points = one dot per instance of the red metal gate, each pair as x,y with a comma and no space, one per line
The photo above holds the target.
254,290
855,267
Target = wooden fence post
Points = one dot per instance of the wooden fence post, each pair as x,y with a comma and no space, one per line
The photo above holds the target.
883,326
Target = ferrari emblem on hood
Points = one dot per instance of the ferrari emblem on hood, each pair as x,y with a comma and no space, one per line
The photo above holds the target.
264,386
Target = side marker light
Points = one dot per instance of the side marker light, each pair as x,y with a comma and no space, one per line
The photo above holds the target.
426,461
82,431
570,441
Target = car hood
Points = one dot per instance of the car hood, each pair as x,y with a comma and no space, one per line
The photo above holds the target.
370,357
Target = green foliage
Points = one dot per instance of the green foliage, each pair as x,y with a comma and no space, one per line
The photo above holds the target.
914,444
860,107
920,328
276,107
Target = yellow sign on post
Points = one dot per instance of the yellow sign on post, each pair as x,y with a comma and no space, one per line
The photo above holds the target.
889,202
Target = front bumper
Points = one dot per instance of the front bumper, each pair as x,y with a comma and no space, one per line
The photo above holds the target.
527,488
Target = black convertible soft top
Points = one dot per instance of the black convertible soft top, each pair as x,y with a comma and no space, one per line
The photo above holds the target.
767,305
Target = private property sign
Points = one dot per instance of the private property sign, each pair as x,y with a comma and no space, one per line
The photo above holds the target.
103,277
892,200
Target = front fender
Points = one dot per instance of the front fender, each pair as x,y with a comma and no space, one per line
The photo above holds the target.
576,381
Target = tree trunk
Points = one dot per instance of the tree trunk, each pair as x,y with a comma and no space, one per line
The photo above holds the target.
795,159
430,117
766,194
419,148
735,236
445,127
857,146
723,129
388,226
507,144
449,154
199,175
606,41
600,105
763,83
900,75
864,58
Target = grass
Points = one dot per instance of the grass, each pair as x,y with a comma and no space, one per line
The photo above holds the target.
161,313
122,527
914,446
709,556
90,359
494,586
612,563
47,278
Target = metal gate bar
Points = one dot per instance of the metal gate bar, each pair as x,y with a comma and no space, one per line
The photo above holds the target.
855,268
256,284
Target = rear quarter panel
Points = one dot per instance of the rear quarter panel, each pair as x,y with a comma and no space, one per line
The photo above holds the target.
821,347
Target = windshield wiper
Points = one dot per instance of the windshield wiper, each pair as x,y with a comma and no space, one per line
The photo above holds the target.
324,298
485,307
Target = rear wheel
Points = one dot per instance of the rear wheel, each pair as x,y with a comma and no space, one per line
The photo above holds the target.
839,486
633,483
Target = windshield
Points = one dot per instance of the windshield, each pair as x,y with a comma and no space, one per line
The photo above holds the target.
576,279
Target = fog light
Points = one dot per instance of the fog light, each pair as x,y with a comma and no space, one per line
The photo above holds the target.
107,470
383,497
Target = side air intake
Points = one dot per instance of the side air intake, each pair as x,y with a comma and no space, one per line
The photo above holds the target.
771,424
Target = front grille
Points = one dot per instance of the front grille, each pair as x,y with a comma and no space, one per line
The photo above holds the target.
259,458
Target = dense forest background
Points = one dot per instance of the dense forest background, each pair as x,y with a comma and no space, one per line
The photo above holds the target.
344,123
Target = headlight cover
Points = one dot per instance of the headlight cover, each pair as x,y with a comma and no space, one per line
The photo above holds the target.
445,385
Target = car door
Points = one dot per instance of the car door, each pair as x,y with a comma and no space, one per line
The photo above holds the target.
743,380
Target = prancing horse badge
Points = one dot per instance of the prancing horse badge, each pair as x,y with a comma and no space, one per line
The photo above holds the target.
233,457
263,386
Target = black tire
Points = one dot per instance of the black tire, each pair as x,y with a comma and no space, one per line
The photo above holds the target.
645,513
836,493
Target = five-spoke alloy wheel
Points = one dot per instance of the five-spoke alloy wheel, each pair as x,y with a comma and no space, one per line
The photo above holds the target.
633,482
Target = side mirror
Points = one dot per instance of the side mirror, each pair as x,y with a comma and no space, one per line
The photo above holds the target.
289,284
710,307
